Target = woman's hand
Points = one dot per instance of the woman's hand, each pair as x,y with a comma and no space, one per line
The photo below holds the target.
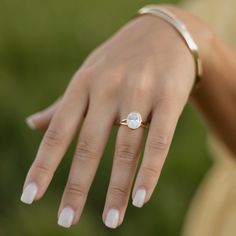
145,67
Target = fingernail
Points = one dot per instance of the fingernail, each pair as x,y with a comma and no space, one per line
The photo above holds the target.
29,193
66,217
112,218
139,197
29,121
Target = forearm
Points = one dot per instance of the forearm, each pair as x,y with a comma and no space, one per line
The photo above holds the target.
215,99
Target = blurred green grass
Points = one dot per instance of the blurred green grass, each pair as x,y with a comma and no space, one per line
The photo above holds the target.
42,43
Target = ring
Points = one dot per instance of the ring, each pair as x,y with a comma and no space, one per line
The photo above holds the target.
134,121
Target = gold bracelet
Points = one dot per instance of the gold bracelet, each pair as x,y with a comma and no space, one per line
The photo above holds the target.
182,29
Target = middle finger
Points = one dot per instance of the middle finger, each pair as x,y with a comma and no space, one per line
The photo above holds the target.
89,150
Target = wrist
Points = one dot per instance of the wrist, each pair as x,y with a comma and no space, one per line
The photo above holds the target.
164,35
196,36
202,35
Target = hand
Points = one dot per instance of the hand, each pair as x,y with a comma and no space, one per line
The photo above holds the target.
144,67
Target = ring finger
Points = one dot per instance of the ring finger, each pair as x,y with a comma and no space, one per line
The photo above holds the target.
127,152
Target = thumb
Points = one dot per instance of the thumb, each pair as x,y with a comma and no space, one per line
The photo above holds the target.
41,119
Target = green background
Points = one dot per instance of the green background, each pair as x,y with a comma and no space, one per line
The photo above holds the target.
42,43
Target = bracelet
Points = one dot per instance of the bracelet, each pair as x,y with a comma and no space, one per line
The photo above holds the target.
182,29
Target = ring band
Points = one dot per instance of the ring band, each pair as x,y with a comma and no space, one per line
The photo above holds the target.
134,121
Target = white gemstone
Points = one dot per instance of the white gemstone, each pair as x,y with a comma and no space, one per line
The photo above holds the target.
134,120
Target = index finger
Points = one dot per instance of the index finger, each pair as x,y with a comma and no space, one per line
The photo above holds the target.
56,140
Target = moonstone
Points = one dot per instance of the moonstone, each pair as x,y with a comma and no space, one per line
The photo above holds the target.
134,120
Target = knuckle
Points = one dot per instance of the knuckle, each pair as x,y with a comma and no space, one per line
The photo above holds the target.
126,152
115,75
52,138
159,143
140,89
42,168
167,101
76,189
107,95
118,192
111,89
85,150
83,74
81,79
171,102
149,171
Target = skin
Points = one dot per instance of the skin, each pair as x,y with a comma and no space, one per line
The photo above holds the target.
152,75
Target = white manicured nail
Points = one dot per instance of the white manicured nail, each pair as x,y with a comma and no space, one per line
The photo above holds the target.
139,197
66,217
29,121
29,193
112,218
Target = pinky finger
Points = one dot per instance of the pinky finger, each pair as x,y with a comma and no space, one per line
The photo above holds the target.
41,119
158,142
